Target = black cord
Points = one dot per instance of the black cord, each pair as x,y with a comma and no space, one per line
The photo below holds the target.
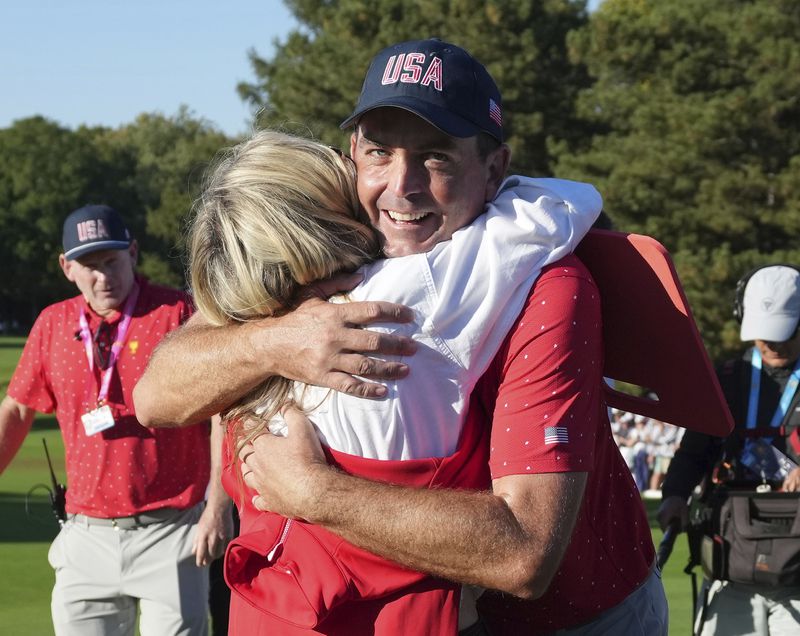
28,510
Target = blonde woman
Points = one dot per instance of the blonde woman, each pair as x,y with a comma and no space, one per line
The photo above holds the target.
280,212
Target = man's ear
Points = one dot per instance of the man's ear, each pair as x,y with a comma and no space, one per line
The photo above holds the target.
496,166
66,267
133,251
353,142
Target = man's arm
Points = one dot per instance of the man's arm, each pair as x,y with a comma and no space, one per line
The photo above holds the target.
512,539
547,377
15,423
691,462
215,527
199,370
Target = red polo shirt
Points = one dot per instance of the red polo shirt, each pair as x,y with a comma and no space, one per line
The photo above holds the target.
128,468
549,416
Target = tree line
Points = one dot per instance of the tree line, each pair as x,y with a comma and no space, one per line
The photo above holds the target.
148,170
684,113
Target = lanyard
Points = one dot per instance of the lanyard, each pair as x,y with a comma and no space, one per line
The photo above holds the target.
755,388
119,341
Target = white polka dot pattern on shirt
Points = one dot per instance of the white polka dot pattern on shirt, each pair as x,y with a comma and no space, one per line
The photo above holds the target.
53,373
544,379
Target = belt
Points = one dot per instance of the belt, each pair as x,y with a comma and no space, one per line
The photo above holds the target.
128,523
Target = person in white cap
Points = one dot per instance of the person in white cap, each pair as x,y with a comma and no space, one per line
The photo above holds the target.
763,451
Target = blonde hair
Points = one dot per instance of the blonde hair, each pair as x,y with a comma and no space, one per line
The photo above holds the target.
277,212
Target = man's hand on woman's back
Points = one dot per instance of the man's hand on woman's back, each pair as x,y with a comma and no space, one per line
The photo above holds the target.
325,344
200,370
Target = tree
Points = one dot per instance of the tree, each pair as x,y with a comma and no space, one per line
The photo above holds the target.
312,82
697,136
46,171
150,171
170,156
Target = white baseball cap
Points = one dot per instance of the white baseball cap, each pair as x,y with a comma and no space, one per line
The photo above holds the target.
771,304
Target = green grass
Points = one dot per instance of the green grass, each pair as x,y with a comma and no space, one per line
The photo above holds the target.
10,350
27,579
28,525
676,583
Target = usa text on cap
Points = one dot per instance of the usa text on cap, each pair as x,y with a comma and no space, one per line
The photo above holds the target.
438,81
93,228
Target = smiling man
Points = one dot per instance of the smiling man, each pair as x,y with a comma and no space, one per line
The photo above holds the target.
437,191
135,533
562,534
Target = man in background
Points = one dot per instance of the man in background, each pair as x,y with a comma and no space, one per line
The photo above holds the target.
761,391
136,532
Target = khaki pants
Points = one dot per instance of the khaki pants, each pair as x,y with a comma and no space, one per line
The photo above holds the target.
104,575
736,609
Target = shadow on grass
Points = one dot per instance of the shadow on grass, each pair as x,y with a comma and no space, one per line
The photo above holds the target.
35,525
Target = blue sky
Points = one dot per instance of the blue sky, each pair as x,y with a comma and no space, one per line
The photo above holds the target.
106,61
102,62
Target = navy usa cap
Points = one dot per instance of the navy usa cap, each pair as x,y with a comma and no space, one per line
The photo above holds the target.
438,81
93,228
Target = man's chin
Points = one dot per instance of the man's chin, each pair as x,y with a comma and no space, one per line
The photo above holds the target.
411,238
407,245
404,249
105,305
776,361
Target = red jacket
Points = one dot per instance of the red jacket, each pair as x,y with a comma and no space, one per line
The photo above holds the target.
290,577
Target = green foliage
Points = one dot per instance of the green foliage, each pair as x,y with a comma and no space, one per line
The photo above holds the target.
697,136
685,113
170,157
45,172
149,170
313,81
10,351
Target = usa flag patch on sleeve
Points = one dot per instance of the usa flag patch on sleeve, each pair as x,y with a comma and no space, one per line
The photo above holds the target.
556,435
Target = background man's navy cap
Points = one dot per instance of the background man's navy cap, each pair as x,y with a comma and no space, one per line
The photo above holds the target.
93,228
438,81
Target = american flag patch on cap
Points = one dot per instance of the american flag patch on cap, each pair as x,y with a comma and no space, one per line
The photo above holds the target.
494,112
556,435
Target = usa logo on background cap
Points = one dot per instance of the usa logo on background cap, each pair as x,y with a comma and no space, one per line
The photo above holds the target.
93,228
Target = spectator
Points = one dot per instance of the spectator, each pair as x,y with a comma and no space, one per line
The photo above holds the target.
626,438
136,533
665,438
647,445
